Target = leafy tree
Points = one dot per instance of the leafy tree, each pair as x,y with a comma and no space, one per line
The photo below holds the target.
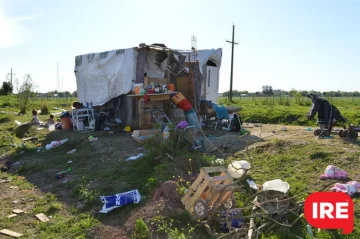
267,90
6,88
74,94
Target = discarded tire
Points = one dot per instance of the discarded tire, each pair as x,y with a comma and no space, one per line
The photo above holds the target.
201,209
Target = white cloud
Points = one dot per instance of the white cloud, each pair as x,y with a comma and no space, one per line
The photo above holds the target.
12,33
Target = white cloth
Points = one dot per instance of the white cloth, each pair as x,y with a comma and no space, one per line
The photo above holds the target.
203,56
103,76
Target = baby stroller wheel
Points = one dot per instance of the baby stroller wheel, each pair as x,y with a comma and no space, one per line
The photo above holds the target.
345,134
325,133
317,132
354,135
341,133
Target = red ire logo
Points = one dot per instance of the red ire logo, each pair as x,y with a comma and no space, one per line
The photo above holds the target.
330,210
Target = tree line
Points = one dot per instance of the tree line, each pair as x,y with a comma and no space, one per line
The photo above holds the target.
269,91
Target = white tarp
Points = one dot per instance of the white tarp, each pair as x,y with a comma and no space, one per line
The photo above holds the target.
203,56
106,75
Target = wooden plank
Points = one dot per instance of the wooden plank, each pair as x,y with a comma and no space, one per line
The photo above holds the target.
192,188
159,97
196,196
140,65
10,233
42,217
213,169
18,211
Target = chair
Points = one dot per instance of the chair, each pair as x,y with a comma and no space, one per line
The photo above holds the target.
221,115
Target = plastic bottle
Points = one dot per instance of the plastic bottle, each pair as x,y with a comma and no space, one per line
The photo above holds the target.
166,132
142,91
55,144
61,174
71,151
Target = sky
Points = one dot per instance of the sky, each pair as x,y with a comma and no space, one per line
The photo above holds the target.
288,44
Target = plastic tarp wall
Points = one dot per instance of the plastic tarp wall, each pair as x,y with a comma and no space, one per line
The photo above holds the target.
203,56
106,75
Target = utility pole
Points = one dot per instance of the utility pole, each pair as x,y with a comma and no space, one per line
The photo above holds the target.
232,61
11,75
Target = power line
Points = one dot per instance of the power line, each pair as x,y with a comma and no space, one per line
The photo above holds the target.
232,61
11,75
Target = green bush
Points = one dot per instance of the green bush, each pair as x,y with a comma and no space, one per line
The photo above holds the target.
44,109
141,230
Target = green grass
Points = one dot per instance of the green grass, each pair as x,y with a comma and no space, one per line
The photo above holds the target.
99,168
274,111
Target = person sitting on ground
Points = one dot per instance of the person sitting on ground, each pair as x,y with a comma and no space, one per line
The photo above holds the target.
35,119
50,121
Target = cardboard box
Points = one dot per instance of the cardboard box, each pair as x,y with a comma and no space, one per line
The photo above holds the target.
141,135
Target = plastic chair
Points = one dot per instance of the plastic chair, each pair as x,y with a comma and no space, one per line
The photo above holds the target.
221,115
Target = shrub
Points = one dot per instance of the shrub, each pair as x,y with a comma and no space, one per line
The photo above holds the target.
44,109
25,91
141,230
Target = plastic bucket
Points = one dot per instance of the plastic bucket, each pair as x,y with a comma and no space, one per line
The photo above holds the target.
177,98
137,88
66,123
171,87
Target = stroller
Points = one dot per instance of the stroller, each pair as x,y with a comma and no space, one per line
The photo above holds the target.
328,116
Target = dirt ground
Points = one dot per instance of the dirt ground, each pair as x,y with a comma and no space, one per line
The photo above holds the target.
111,150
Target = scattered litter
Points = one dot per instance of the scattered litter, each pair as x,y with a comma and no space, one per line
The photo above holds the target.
220,161
69,162
110,132
234,216
334,172
252,184
50,217
127,129
10,233
51,127
238,168
283,129
71,151
276,185
42,217
15,201
61,174
13,187
274,132
11,216
91,138
65,181
350,188
309,231
308,129
55,144
118,200
18,211
135,157
18,122
106,129
182,125
29,138
40,128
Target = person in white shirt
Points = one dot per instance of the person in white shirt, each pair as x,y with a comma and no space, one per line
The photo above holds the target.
35,119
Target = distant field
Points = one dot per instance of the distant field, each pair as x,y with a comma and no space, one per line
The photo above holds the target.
288,110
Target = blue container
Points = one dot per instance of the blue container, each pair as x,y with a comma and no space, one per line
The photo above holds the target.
235,216
193,120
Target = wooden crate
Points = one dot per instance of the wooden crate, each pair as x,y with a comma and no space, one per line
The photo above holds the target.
209,188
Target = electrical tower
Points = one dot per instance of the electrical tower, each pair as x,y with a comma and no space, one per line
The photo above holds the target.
11,75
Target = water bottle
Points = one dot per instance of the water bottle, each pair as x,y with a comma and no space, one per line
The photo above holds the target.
166,133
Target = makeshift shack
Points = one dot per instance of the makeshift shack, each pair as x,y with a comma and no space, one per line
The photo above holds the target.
143,78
